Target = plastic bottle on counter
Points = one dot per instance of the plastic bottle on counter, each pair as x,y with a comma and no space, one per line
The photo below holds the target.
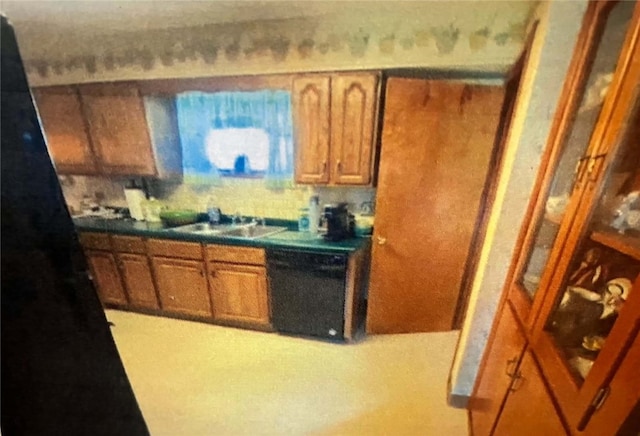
214,212
303,220
314,213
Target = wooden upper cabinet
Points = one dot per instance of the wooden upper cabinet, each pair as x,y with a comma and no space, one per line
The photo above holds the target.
311,104
61,115
118,127
353,115
529,409
182,286
335,121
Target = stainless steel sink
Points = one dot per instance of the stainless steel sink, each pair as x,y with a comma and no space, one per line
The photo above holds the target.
246,231
201,229
253,231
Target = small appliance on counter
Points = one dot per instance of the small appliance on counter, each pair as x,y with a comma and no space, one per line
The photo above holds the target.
340,223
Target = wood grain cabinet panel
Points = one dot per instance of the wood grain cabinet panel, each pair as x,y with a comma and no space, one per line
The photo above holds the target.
138,280
311,105
118,127
500,366
128,244
64,126
353,116
106,277
182,286
95,241
168,248
239,292
437,143
231,254
529,409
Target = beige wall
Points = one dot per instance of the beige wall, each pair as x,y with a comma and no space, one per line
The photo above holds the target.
538,95
475,35
250,197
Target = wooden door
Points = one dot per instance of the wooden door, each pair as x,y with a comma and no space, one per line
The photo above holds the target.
354,99
65,129
501,362
106,277
118,128
138,280
239,292
529,409
437,142
311,106
182,286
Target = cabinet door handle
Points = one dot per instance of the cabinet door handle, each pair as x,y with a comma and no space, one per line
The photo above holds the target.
517,381
510,370
580,170
201,273
172,298
600,397
339,167
324,167
595,167
381,240
212,273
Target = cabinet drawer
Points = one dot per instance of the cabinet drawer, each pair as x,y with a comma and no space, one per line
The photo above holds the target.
185,250
95,241
245,255
128,244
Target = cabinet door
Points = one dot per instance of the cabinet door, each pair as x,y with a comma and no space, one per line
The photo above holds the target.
106,277
182,286
619,400
136,274
499,367
239,292
353,114
529,409
570,148
118,128
311,106
592,304
64,127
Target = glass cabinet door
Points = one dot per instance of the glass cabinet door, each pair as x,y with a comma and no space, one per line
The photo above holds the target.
599,63
606,262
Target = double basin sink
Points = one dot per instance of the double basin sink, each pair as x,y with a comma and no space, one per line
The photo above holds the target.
242,231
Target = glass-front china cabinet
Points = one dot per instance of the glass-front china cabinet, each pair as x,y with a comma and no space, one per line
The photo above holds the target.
575,285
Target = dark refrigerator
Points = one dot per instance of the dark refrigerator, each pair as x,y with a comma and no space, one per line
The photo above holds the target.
61,371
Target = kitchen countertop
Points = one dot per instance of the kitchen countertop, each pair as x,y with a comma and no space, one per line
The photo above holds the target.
287,239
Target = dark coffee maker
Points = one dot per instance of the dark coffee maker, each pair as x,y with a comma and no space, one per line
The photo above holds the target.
340,223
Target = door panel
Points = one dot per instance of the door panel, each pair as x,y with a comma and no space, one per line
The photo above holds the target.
529,409
138,280
64,126
239,292
353,110
500,365
106,277
118,127
311,105
182,286
437,142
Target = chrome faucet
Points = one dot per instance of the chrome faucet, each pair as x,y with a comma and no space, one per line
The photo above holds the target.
237,219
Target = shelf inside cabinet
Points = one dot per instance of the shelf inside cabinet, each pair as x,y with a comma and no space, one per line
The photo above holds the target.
624,243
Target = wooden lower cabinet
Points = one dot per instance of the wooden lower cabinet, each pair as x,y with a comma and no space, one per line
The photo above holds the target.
529,409
138,280
497,374
239,293
106,277
182,286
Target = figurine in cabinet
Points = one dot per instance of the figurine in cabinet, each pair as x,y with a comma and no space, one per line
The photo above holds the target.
586,316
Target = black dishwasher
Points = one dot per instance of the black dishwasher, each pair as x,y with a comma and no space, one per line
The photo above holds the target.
307,292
